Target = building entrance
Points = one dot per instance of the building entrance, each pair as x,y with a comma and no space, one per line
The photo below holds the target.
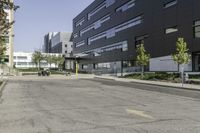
197,62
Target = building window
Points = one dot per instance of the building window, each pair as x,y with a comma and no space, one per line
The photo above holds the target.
133,22
171,30
80,44
22,57
126,6
111,32
104,4
75,35
6,6
116,46
139,40
84,66
95,66
127,64
171,3
80,22
95,25
104,65
197,29
22,63
90,27
6,39
124,46
96,37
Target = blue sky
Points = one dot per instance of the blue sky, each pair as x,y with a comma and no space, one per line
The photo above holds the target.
35,18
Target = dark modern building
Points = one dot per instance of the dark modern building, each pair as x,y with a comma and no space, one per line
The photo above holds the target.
47,42
61,43
107,33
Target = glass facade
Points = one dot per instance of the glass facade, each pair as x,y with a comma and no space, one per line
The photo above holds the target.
95,25
197,29
80,22
126,6
104,4
111,32
196,60
171,30
80,44
120,45
171,3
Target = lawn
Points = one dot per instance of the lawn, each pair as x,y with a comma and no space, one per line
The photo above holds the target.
161,76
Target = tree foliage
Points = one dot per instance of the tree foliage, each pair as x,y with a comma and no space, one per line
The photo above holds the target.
181,56
5,25
142,58
37,57
49,59
53,59
61,61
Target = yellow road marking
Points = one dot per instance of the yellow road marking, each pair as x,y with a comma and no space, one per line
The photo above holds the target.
139,113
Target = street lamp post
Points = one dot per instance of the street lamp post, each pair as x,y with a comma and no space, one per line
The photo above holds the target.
77,66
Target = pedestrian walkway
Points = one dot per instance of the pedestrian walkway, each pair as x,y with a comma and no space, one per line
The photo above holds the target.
158,83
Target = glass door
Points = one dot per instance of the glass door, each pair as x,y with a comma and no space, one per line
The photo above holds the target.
197,62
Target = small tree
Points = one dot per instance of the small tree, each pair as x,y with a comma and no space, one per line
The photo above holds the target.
37,57
61,61
49,59
55,60
142,58
58,61
181,56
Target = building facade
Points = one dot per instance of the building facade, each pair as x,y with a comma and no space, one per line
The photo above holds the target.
10,37
108,32
59,42
47,42
23,60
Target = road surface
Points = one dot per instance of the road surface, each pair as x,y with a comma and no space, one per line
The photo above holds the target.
58,105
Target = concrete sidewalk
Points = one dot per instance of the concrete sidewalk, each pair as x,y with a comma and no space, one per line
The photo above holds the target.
158,83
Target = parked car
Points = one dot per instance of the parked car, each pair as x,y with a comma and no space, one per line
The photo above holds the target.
44,72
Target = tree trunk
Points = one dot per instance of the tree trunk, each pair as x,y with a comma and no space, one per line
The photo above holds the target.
38,65
142,73
178,68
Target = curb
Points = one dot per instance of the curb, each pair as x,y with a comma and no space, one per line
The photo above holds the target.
177,87
2,87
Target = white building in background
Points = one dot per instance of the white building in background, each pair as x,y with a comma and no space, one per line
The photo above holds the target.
24,60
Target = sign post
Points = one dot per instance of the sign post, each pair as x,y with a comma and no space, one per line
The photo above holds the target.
77,67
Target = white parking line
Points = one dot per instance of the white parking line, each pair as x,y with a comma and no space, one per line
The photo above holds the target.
139,113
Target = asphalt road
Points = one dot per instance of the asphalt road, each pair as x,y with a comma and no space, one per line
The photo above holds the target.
39,105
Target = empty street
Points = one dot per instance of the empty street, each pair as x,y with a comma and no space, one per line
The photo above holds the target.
59,105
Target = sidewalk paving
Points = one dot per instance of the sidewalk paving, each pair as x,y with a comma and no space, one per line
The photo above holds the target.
158,83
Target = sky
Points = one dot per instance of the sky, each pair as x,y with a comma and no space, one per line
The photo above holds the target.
35,18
